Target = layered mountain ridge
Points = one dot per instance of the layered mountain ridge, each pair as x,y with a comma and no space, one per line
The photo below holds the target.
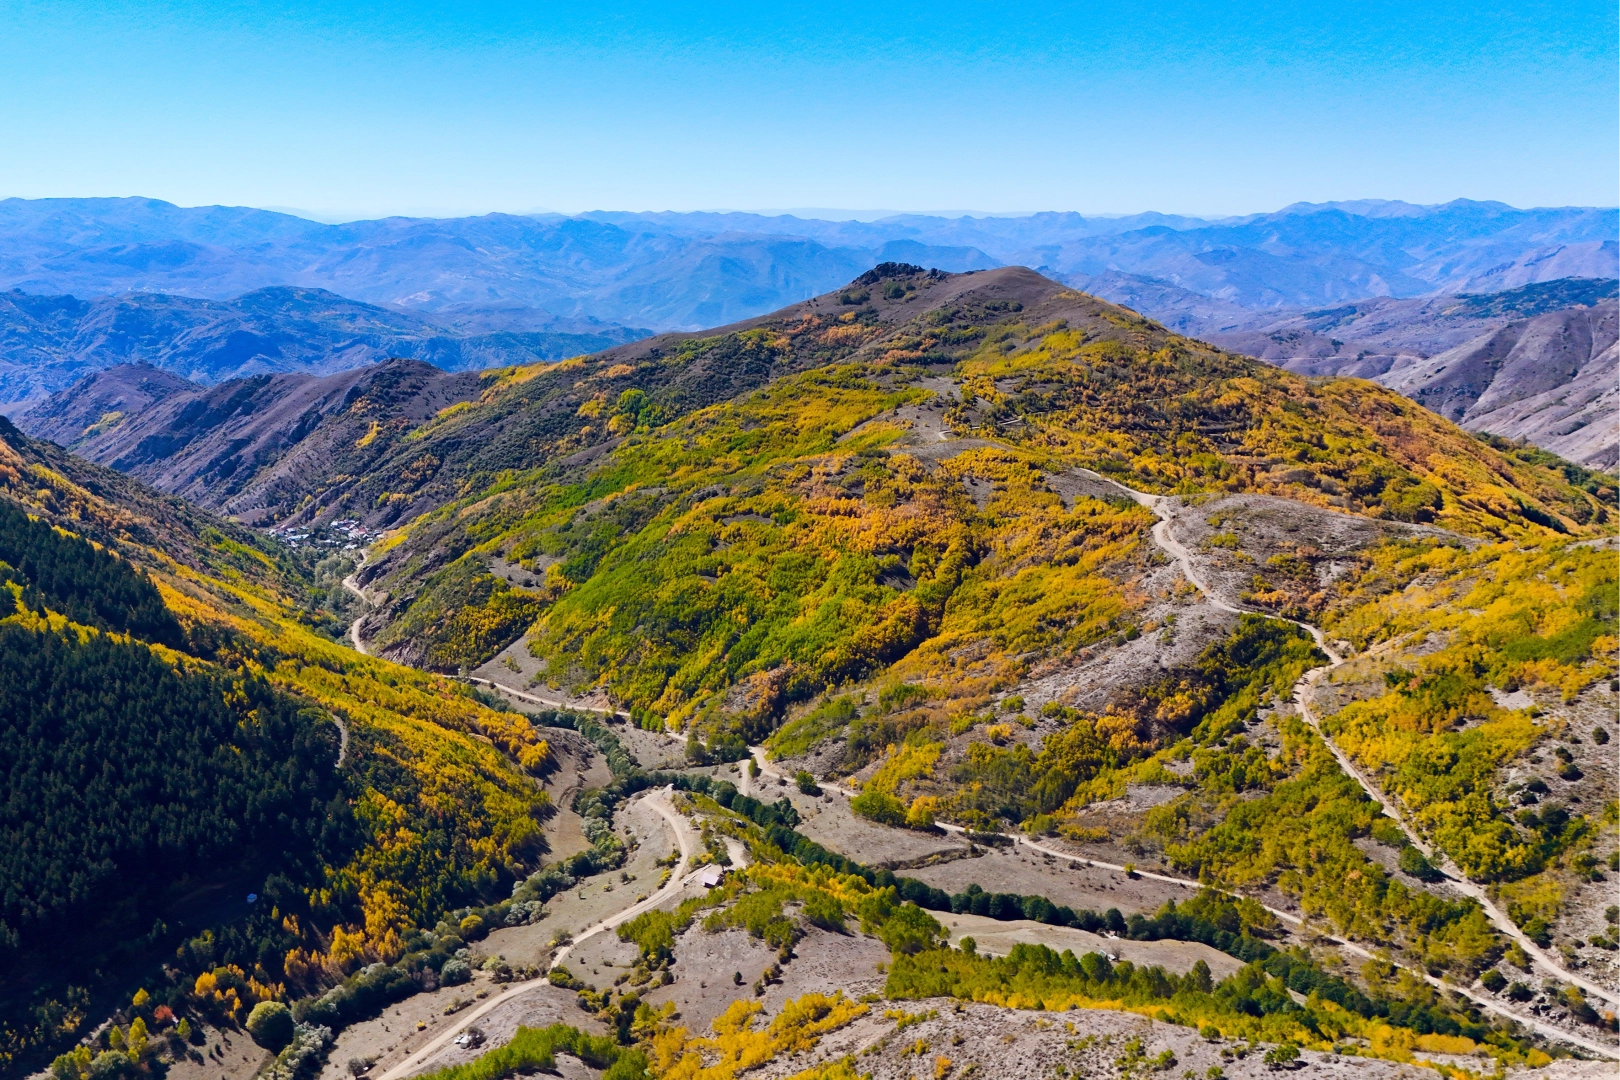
49,342
1534,363
257,448
687,271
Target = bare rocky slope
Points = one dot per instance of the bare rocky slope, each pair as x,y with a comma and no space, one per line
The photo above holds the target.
254,448
1535,363
1550,380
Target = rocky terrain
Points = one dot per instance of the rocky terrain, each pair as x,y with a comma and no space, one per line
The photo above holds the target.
253,448
1535,364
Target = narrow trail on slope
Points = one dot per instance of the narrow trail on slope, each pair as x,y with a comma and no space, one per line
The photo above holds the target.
1534,1023
1164,538
551,703
661,801
1302,696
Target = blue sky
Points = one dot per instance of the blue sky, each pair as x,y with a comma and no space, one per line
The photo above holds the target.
1206,108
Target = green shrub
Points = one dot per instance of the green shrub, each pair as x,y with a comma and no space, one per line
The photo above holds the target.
534,1050
1412,862
822,910
879,807
654,934
1493,981
1388,833
270,1024
1282,1056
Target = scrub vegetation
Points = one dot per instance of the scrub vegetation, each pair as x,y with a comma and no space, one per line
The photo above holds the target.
852,527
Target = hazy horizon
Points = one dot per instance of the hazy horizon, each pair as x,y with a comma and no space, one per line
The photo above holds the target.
335,217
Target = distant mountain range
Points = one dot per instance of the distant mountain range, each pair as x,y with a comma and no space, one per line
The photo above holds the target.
256,448
213,294
49,342
687,271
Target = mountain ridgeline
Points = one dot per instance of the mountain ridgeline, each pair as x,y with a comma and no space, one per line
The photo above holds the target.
613,484
687,271
1535,364
48,342
260,449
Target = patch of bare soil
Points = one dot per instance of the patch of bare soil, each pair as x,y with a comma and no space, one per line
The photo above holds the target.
224,1055
1180,625
1570,1069
515,667
651,749
829,822
1076,484
1299,552
961,1040
542,1006
996,938
405,1027
579,767
518,575
708,965
593,899
929,438
1063,881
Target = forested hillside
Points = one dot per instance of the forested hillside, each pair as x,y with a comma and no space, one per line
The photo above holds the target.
909,556
903,467
177,733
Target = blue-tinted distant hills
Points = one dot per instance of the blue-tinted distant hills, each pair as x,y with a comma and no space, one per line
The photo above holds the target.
686,271
49,341
216,293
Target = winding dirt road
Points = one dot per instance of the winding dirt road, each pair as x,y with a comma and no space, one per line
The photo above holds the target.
660,801
1488,1004
353,586
1164,537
